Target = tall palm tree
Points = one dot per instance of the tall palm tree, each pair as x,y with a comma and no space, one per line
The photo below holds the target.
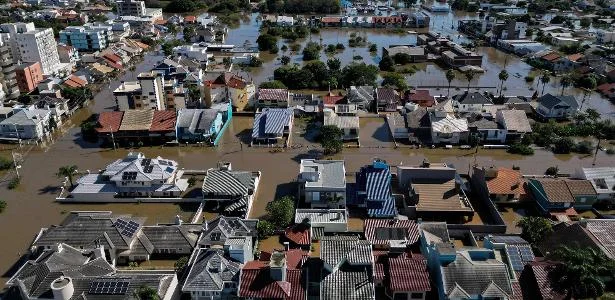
590,86
503,76
450,76
581,271
565,82
544,78
469,74
68,172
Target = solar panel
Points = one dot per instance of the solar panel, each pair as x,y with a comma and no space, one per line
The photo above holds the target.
148,169
215,236
130,229
106,287
120,223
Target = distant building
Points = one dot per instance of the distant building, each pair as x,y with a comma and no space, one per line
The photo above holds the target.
387,99
272,98
471,102
26,124
603,180
131,8
273,126
28,76
151,91
30,45
8,84
86,37
230,192
557,107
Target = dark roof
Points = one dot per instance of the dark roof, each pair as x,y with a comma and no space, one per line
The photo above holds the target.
472,98
183,236
482,123
550,101
380,231
298,234
408,275
598,234
218,230
196,120
418,118
87,230
387,95
256,281
539,276
210,270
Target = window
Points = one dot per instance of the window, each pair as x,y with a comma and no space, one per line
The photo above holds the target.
416,296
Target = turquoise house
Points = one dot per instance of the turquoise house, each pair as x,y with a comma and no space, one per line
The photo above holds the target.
555,195
202,125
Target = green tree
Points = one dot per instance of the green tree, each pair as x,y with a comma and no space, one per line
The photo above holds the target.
565,82
285,60
534,229
544,79
311,51
592,114
373,48
334,64
588,86
189,33
395,80
563,145
503,76
2,206
180,264
227,62
273,84
386,63
331,139
192,181
68,172
265,229
146,293
450,76
469,74
280,211
266,42
552,171
359,74
582,272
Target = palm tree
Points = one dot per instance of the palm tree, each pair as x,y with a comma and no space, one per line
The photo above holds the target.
565,82
68,172
544,78
469,76
590,86
503,76
581,271
450,76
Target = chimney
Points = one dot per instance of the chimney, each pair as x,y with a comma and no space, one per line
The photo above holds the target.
62,288
286,246
491,172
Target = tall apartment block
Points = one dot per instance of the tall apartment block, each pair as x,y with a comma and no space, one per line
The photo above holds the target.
8,83
131,8
30,44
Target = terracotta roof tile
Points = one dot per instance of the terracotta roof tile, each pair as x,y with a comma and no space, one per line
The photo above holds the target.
556,190
332,99
109,121
163,120
256,281
298,234
423,98
581,187
189,19
273,94
380,231
551,56
506,182
407,275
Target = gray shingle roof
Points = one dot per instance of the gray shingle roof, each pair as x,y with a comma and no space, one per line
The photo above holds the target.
210,270
196,120
218,230
335,250
472,98
331,173
228,183
476,277
183,236
351,261
364,93
550,101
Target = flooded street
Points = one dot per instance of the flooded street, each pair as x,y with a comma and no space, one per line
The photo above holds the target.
429,75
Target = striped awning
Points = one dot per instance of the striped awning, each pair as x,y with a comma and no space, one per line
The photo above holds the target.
378,185
221,182
382,209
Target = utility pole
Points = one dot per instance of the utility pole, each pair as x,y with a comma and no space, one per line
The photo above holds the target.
596,152
15,163
112,137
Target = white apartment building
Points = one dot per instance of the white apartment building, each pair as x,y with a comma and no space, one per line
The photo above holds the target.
30,44
145,93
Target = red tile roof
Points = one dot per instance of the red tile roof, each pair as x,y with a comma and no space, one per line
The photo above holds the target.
422,98
551,56
190,19
330,19
607,89
163,120
112,57
256,281
231,80
575,57
109,121
541,273
407,275
70,83
387,227
506,182
298,234
332,99
74,81
273,94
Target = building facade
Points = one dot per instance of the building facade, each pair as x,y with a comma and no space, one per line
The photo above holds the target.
30,44
28,76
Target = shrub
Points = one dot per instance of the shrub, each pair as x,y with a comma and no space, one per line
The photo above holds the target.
610,151
563,145
519,148
14,183
340,46
265,229
552,171
373,48
529,78
2,206
584,147
191,181
5,163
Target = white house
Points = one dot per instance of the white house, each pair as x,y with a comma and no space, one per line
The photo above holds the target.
323,183
348,124
330,220
445,126
26,124
603,180
470,102
557,107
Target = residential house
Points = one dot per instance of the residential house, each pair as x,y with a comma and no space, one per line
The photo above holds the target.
457,56
557,107
272,98
134,176
348,124
471,102
58,107
434,192
548,58
323,183
387,99
281,277
108,124
348,268
591,233
211,275
514,122
398,126
162,128
412,53
485,130
500,185
331,21
26,124
421,98
273,126
235,235
603,180
418,124
122,237
363,96
198,125
419,20
607,90
66,272
391,235
554,196
516,251
464,273
239,90
404,276
285,21
373,190
298,236
323,220
230,192
445,126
